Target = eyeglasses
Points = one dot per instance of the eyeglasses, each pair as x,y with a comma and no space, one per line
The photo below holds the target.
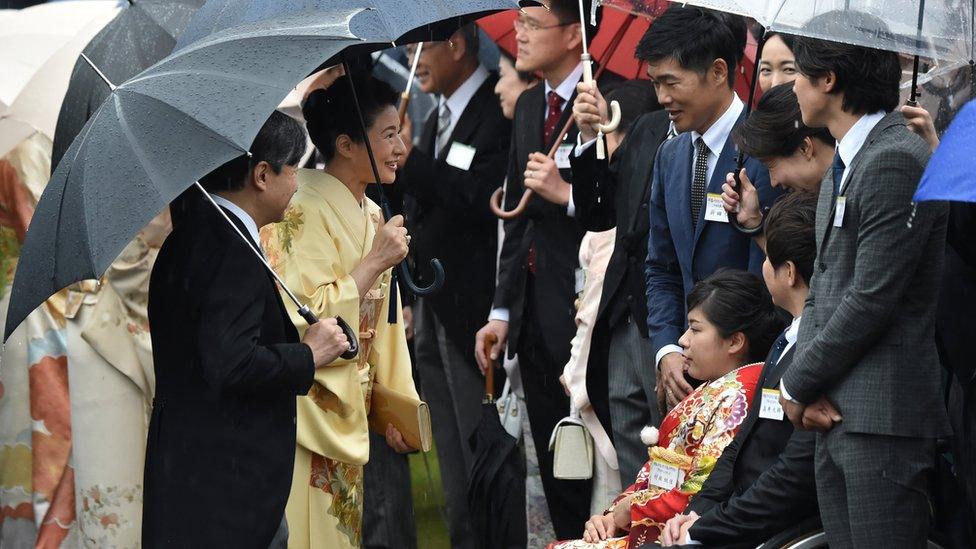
522,25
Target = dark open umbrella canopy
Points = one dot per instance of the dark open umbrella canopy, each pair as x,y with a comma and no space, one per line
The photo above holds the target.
144,32
165,128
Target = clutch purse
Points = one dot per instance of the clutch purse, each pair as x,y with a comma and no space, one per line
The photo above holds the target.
573,449
409,415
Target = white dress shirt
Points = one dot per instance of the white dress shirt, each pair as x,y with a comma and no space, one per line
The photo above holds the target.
458,101
714,137
247,220
848,147
565,90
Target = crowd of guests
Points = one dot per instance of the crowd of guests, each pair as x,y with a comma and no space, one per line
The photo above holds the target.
748,345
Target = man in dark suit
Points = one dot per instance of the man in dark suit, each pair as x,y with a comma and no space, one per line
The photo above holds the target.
449,177
763,482
619,374
228,361
690,236
533,305
866,372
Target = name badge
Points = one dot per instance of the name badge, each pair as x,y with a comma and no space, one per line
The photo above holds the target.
664,475
562,156
460,156
839,211
770,408
715,209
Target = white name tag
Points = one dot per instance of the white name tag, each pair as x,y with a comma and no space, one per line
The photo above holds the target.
770,408
562,156
839,211
460,156
714,208
664,475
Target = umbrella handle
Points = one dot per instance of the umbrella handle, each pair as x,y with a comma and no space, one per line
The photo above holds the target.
497,204
490,341
407,278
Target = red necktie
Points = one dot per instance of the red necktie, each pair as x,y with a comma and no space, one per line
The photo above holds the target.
553,115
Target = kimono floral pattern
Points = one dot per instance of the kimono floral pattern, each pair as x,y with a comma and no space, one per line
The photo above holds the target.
103,512
345,483
692,437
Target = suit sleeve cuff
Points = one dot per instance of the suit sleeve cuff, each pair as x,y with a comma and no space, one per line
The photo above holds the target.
667,349
581,147
498,314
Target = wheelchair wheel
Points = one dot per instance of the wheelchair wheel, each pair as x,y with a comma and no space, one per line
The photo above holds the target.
810,540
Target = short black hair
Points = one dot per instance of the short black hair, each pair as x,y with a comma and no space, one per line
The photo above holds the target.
567,11
635,97
525,76
775,128
280,142
331,112
790,234
694,37
787,39
869,78
738,301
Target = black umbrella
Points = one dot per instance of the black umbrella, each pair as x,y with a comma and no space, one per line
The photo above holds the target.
144,32
495,492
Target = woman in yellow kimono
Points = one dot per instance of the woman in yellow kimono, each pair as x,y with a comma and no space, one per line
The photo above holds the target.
334,250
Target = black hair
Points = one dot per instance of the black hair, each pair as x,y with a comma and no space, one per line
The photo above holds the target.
694,37
775,129
868,77
567,11
787,39
790,232
331,112
635,97
524,76
738,301
280,142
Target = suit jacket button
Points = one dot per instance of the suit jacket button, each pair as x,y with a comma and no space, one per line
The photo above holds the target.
823,267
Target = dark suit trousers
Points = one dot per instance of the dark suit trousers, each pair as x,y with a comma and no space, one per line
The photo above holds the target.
547,403
872,489
388,519
453,387
633,402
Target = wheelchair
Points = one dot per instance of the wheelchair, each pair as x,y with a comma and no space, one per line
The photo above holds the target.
808,534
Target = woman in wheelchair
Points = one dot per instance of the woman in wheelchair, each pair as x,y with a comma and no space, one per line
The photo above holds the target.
731,324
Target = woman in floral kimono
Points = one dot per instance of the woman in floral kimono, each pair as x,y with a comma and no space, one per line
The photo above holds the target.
334,250
731,325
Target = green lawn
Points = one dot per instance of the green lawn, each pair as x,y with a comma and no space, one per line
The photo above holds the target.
428,500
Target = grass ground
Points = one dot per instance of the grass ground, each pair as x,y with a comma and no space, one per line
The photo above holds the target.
428,500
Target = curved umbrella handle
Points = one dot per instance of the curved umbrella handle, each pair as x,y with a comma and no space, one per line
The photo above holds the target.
407,278
614,121
497,204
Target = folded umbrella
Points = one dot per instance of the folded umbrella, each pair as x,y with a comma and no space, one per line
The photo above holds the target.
162,130
141,34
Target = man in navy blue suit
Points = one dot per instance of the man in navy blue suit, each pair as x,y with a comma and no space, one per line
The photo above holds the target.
690,236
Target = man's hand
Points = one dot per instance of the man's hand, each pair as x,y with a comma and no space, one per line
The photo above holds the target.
821,415
675,531
542,176
673,378
406,134
326,340
395,440
793,411
920,121
497,328
599,528
746,200
589,110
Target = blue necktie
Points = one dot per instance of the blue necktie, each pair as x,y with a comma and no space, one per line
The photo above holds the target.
777,350
838,168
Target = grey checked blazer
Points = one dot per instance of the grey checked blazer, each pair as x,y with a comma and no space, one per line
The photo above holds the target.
867,335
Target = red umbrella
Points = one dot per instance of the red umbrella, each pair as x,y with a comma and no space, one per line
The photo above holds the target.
636,15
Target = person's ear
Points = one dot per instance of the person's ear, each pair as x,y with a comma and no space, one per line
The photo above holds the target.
806,149
792,274
344,146
827,82
458,47
260,175
720,72
573,36
737,344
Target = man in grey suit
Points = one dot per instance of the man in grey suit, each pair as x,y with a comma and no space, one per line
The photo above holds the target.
866,373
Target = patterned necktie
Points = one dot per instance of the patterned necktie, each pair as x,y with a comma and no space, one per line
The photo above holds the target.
553,115
443,124
772,359
698,181
838,168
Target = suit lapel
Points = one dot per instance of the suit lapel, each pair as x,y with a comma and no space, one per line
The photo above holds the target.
680,190
468,123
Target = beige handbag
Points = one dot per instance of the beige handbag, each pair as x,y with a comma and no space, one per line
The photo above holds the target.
573,447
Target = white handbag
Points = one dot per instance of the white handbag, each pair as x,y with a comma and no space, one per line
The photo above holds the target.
509,412
573,449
